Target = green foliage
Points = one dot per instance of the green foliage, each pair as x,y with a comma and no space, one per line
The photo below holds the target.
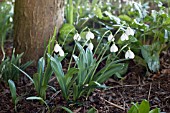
13,90
44,70
144,107
6,13
69,12
38,98
152,27
151,55
7,69
83,79
12,87
41,78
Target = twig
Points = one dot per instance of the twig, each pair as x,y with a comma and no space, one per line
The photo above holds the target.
149,91
115,105
124,103
122,86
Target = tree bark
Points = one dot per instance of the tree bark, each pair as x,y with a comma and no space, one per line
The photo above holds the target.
34,23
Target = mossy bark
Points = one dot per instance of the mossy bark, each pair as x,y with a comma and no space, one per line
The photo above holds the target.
34,23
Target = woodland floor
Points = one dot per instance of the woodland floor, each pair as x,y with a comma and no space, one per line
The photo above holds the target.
133,88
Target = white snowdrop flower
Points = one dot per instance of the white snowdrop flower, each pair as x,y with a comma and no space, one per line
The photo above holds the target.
8,3
11,19
57,48
124,37
61,53
89,35
90,46
113,48
129,54
129,31
77,37
111,38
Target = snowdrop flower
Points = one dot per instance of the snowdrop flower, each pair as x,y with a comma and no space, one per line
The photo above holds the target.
111,38
129,55
57,49
11,19
113,48
90,46
124,37
89,35
77,37
61,53
129,31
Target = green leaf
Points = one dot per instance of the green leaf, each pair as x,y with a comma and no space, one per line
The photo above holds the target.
92,110
156,110
67,109
144,107
56,65
166,22
98,12
89,56
37,84
112,17
13,90
24,73
51,42
140,61
133,39
70,74
107,72
133,109
47,74
125,18
95,84
57,68
38,98
41,65
65,30
151,55
75,92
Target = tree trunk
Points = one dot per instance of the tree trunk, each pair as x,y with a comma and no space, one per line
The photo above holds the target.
34,23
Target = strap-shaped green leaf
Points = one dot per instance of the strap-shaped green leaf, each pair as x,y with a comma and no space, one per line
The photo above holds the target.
144,107
57,68
107,72
13,90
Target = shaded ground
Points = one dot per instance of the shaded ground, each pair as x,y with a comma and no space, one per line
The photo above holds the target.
117,99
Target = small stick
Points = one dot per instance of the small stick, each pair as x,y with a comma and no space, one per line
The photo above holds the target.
115,105
149,91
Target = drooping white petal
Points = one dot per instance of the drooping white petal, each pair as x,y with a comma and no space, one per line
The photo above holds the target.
129,54
89,35
57,48
113,48
111,38
124,37
129,31
77,37
90,46
61,53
